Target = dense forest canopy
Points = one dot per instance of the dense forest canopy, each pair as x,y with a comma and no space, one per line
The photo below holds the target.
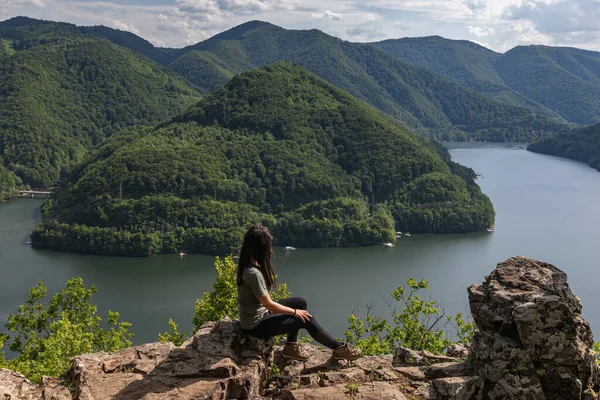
61,93
554,81
278,146
427,102
580,145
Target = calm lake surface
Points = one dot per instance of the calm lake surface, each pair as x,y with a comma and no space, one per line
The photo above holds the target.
547,208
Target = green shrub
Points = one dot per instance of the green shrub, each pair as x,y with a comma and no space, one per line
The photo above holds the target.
419,325
175,336
47,334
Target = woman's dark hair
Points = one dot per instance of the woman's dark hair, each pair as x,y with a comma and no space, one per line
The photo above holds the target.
257,249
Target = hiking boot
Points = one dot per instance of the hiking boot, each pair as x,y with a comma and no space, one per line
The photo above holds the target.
345,352
295,351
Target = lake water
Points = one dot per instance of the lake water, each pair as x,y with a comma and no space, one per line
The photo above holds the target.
547,208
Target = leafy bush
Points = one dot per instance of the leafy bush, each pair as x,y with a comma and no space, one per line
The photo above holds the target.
47,334
419,326
175,336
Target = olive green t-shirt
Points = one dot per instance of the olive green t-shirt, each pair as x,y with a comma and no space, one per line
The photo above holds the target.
253,287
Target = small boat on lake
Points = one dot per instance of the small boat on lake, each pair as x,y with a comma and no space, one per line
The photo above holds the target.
388,244
289,248
407,234
490,230
181,254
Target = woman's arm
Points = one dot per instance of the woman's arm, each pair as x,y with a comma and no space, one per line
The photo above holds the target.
277,308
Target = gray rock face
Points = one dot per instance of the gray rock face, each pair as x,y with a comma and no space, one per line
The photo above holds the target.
219,362
404,357
532,341
458,350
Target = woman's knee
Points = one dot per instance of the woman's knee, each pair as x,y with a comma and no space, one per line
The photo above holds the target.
294,302
301,303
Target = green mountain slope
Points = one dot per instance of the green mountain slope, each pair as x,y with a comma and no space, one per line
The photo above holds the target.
464,62
580,145
554,81
278,146
565,80
205,69
62,93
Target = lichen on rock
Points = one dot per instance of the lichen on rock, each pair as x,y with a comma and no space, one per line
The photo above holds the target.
532,342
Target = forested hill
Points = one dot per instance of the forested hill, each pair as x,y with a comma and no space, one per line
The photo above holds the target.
552,80
62,92
278,146
425,101
580,145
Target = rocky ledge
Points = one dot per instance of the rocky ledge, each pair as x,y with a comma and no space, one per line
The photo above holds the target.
531,344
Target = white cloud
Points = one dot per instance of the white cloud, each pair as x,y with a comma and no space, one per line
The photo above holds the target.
329,15
557,17
37,3
242,5
402,26
480,32
366,32
115,23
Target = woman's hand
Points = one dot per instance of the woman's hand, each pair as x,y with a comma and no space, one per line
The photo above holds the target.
303,315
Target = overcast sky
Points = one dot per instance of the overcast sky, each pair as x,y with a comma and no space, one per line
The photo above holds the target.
497,24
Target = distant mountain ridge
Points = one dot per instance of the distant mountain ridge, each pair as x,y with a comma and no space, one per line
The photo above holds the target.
553,80
425,101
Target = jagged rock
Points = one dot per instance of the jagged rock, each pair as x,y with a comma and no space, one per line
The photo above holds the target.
370,391
323,378
413,373
444,370
52,389
456,388
458,350
532,342
320,360
220,362
404,356
14,386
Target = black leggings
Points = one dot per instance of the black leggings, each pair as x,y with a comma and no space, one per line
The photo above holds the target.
279,324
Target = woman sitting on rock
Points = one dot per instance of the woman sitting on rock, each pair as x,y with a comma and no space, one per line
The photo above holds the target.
264,318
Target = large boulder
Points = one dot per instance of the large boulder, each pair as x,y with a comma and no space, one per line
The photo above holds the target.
219,362
532,342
